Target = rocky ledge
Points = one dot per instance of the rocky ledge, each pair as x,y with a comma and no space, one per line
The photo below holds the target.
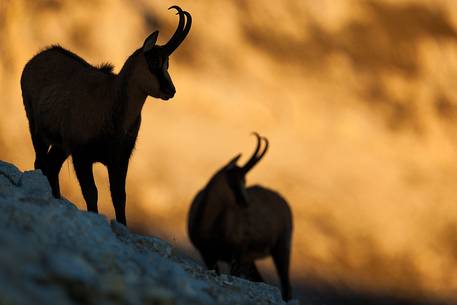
53,253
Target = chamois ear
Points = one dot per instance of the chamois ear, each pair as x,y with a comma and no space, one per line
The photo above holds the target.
150,42
232,162
236,181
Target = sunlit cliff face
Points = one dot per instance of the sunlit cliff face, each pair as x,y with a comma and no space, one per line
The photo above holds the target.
357,98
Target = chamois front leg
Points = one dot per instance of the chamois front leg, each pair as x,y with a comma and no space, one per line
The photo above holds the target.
85,177
254,273
210,260
117,174
246,270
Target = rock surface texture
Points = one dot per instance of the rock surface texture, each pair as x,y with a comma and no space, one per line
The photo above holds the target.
52,253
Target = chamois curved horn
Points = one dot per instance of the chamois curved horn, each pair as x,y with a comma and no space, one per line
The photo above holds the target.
181,31
264,149
188,25
253,160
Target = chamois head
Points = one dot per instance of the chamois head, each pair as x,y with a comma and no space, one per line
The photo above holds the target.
161,85
232,178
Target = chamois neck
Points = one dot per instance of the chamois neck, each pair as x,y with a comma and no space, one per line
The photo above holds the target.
130,91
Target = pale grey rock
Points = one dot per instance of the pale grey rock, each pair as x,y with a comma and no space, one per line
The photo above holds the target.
52,253
68,267
34,186
10,172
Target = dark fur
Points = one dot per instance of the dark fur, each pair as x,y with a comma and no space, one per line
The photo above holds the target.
91,113
104,67
223,228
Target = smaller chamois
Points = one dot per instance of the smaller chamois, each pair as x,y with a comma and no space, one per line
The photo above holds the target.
236,224
93,114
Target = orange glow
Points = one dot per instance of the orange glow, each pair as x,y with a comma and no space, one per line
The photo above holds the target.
357,98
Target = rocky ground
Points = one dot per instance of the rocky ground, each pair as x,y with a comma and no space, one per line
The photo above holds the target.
53,253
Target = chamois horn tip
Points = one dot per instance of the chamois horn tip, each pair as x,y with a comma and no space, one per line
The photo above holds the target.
255,133
175,7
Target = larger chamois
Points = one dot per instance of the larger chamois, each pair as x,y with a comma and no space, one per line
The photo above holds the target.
91,113
237,224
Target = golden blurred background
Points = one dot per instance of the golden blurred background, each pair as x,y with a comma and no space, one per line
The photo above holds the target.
357,99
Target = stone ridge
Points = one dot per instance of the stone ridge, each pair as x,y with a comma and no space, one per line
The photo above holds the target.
53,253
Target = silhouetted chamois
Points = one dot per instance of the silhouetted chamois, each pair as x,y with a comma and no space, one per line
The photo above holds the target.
231,223
91,113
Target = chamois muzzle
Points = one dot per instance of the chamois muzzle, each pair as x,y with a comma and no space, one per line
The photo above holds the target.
185,22
256,157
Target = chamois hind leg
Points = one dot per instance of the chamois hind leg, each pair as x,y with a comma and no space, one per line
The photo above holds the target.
281,259
41,149
39,144
55,158
117,174
85,177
